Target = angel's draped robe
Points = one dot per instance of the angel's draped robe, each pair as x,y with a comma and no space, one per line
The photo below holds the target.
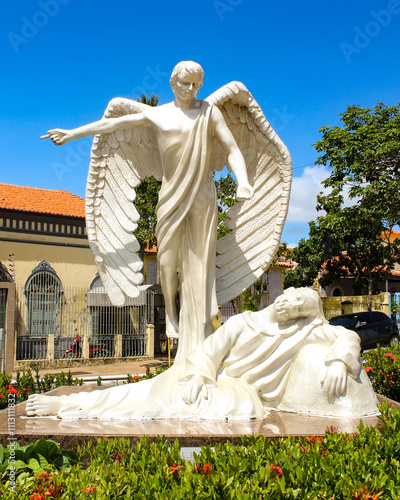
187,209
250,365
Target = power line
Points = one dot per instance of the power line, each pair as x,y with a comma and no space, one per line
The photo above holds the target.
303,166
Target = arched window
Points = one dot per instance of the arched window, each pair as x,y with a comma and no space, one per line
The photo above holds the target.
5,276
43,292
337,292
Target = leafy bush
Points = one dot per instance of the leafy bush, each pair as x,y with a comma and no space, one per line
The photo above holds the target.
34,462
383,368
26,384
5,389
132,379
363,465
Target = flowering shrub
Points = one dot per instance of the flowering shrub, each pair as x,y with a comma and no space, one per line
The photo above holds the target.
5,389
27,384
37,463
363,465
383,368
131,379
45,487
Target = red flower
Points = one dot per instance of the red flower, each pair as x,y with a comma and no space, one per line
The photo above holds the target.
11,390
368,369
332,429
37,496
175,469
119,455
390,356
363,494
2,396
313,440
276,470
88,490
43,492
205,470
46,488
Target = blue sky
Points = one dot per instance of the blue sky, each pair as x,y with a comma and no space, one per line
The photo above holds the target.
304,62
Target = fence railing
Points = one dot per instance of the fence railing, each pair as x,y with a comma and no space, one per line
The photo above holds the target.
77,323
335,306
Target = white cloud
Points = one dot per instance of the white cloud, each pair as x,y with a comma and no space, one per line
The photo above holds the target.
304,192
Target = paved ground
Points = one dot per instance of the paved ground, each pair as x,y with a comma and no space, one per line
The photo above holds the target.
132,367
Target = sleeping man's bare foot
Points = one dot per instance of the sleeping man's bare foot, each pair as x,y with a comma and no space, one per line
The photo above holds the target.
41,405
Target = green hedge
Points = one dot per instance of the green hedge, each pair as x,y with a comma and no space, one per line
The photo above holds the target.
363,465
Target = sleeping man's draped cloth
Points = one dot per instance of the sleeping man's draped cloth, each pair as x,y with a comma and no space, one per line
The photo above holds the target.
249,365
179,197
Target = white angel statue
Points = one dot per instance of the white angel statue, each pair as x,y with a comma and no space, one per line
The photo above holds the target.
182,143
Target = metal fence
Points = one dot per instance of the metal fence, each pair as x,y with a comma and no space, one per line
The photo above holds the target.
31,347
74,314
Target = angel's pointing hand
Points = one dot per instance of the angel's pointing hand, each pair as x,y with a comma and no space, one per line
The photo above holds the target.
58,136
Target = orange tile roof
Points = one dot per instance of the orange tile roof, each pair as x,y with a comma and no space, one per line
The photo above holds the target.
41,201
284,264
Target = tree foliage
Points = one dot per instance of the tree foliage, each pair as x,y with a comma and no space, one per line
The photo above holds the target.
145,203
309,257
364,156
147,197
226,195
150,101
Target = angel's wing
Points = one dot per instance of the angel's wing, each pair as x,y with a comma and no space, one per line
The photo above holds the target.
119,160
256,225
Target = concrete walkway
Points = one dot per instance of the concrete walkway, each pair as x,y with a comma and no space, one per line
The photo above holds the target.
136,367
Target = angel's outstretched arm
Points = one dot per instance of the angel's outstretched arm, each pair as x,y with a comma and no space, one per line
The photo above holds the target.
104,126
235,158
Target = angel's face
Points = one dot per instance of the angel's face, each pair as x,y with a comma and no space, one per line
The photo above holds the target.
187,85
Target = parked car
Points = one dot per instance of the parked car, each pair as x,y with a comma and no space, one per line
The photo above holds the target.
372,327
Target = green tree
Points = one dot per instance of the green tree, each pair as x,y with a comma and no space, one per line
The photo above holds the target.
309,256
150,101
147,197
364,156
226,195
145,203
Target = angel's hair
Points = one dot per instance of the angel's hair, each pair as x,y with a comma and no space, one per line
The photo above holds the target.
189,67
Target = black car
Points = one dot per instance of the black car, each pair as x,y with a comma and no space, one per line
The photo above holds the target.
372,327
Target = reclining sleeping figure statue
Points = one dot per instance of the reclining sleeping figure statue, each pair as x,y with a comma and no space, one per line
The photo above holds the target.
286,357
